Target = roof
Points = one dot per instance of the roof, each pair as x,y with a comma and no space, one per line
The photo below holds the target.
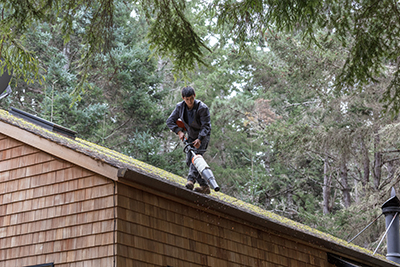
122,168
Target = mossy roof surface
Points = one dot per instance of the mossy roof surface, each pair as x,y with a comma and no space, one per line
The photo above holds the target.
120,160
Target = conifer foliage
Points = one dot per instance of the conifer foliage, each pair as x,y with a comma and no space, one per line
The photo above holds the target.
297,92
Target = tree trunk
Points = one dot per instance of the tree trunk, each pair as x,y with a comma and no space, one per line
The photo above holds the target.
377,162
289,195
344,183
366,162
391,169
66,53
356,192
326,189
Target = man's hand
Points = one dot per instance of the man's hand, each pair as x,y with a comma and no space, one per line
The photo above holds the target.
197,143
181,135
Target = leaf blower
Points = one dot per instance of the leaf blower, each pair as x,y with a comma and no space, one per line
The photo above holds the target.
199,162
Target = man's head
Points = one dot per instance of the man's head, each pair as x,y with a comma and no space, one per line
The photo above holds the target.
188,91
188,96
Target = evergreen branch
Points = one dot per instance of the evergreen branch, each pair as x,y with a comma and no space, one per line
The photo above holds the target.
390,151
301,104
388,161
116,129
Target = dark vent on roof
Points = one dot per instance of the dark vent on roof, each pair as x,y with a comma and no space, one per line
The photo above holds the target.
43,123
343,262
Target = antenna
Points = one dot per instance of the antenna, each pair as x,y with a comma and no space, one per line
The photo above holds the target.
5,88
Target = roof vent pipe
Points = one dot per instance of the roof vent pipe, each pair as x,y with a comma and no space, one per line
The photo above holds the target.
391,210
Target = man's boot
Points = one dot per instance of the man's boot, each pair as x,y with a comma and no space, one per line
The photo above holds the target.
204,189
189,185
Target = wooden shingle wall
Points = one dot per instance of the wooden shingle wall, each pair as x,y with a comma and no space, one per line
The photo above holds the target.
52,211
158,231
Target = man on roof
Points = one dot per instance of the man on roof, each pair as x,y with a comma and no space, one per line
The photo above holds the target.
196,117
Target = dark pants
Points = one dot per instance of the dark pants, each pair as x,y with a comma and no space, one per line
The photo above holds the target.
194,175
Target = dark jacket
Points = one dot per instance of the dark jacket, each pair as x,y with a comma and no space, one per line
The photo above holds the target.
201,125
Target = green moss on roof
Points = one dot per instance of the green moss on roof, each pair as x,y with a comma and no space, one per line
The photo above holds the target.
120,160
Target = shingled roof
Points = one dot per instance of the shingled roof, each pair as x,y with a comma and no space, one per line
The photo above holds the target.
119,167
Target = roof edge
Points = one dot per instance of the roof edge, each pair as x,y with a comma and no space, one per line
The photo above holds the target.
59,150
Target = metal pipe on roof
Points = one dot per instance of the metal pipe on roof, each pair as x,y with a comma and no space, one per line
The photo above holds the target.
391,208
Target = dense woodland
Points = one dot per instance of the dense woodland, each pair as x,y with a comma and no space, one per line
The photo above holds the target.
283,136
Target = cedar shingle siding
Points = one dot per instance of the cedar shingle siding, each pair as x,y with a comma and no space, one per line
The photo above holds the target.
52,211
155,231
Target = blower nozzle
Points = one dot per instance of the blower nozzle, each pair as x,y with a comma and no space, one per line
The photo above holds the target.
205,171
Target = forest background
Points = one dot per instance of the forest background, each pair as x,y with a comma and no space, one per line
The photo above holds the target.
283,138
